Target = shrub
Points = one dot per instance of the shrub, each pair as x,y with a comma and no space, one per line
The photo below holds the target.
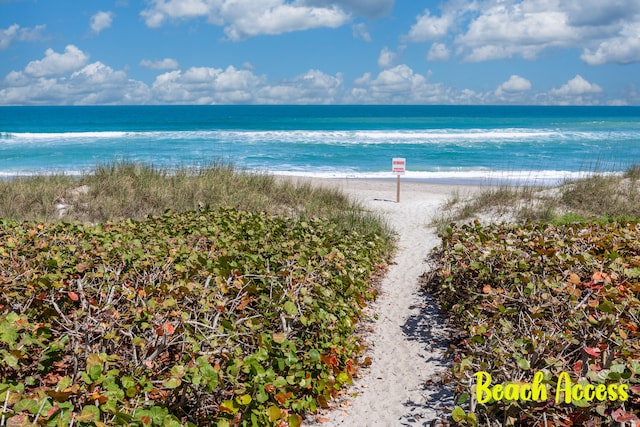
203,317
543,298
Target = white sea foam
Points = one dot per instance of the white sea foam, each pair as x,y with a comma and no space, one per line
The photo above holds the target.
332,136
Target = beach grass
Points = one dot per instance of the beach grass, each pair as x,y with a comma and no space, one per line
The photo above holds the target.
599,197
125,189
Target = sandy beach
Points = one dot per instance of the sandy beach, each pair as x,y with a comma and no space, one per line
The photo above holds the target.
406,332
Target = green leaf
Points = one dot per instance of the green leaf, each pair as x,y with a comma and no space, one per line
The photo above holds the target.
172,383
245,399
462,399
524,364
30,405
89,413
290,308
11,361
606,306
458,414
274,413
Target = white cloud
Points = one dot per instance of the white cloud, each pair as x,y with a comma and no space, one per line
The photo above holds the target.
101,21
576,91
203,85
607,32
438,52
365,8
430,27
577,86
161,64
386,58
14,32
360,31
399,85
176,9
513,91
624,49
509,29
94,83
599,13
54,64
514,84
247,18
313,87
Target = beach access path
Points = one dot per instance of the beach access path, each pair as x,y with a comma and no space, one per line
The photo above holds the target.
407,334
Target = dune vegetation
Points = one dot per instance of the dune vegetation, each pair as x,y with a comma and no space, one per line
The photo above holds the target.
137,296
552,291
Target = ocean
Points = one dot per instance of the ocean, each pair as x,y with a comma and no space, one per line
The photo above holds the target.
466,144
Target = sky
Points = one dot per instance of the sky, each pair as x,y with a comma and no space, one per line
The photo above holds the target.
524,52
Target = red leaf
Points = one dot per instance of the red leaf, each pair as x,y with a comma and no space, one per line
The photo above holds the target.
330,360
592,351
169,329
621,416
73,296
577,368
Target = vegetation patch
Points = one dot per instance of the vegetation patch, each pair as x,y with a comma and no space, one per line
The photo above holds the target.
205,317
559,301
598,197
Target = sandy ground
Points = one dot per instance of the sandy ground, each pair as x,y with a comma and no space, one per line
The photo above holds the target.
407,338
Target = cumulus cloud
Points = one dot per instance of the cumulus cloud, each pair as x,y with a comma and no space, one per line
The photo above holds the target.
577,86
204,85
54,63
94,83
514,84
577,91
313,87
160,64
607,32
508,29
101,21
430,27
360,31
623,49
14,32
599,13
399,85
438,52
386,58
247,18
365,8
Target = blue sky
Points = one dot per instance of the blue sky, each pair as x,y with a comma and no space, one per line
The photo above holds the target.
59,52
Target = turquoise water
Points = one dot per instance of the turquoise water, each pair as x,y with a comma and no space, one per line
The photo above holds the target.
453,143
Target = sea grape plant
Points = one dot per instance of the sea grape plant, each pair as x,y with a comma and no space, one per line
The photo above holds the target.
219,317
542,298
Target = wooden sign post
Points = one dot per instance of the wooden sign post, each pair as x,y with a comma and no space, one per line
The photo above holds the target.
398,166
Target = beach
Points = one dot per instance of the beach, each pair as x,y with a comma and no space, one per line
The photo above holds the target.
406,333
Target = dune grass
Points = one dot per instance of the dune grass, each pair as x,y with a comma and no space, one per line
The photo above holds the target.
128,190
600,197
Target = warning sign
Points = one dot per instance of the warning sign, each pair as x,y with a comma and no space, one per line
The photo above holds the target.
398,166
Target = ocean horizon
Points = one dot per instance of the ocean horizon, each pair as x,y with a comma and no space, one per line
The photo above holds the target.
457,144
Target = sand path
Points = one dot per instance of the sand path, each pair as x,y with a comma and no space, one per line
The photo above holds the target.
407,342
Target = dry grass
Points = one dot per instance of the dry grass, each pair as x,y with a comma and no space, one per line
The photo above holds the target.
600,197
128,190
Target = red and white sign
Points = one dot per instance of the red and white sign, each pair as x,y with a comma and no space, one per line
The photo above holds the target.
398,166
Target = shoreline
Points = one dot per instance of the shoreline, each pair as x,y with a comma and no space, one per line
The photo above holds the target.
483,178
